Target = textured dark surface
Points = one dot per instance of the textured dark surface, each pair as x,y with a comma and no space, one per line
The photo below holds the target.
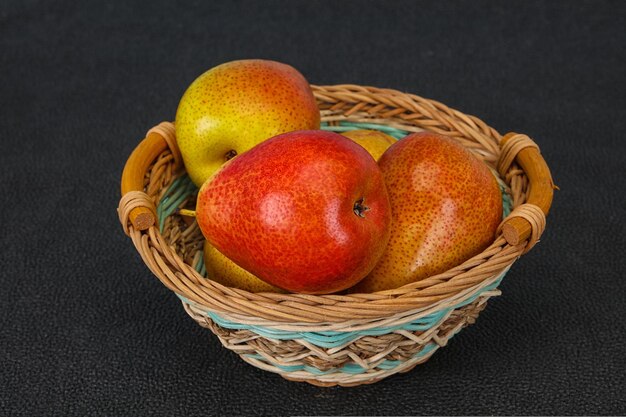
85,329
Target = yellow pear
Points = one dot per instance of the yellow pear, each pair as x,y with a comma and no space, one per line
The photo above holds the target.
221,269
374,141
237,105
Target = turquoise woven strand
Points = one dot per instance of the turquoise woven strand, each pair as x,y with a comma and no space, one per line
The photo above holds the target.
507,201
348,126
181,189
350,368
332,339
201,267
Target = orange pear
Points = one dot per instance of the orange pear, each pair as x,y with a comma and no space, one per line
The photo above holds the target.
446,206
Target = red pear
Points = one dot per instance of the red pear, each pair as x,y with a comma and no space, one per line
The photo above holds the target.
306,211
446,206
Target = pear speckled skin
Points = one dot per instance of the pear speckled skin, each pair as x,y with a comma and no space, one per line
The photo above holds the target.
285,211
374,141
446,206
236,105
221,269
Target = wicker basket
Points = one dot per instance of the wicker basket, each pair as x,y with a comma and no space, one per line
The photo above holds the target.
337,339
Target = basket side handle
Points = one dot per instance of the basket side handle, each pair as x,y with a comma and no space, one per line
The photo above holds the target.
158,139
519,227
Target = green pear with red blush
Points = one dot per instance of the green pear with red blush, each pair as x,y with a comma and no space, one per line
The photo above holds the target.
234,106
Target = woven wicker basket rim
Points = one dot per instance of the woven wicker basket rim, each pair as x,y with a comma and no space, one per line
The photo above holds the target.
352,103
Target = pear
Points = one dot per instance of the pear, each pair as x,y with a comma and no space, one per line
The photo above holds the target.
221,269
446,206
236,105
306,211
374,141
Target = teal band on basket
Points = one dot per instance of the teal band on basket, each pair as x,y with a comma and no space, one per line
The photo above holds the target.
348,126
350,368
332,339
181,188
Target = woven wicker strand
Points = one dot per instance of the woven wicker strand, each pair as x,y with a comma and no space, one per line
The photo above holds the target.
511,148
167,131
365,360
364,337
353,325
298,359
134,200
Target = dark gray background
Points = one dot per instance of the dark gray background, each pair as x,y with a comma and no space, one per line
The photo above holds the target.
85,329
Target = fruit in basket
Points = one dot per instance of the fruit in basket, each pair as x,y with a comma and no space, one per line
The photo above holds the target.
221,269
306,211
236,105
446,207
374,141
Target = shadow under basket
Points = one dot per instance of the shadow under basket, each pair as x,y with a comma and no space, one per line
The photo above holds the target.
349,339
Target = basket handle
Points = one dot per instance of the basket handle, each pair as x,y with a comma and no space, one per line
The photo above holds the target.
518,228
157,140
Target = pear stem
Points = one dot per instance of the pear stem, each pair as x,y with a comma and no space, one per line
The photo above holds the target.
186,212
230,154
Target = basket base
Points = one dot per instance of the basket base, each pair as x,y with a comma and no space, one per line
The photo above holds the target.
392,353
328,384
